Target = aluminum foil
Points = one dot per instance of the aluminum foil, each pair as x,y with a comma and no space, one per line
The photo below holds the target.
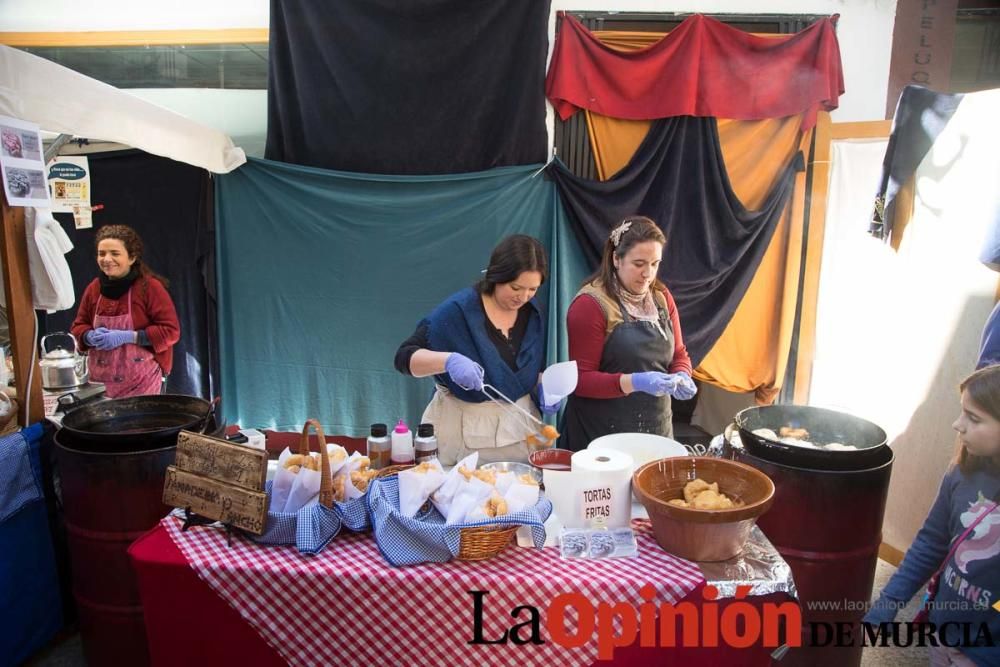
759,565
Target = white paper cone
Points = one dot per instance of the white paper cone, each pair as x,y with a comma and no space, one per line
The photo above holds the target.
415,488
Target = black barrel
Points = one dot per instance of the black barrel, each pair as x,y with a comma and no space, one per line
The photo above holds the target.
111,493
827,524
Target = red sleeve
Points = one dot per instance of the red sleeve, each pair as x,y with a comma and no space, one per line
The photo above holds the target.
162,327
585,323
681,360
84,321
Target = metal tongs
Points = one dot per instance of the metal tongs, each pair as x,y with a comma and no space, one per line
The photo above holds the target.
506,404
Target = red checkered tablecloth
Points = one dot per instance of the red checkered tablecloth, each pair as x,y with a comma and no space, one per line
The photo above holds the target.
347,606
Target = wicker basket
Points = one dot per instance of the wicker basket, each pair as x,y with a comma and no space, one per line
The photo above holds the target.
484,542
477,543
326,480
392,470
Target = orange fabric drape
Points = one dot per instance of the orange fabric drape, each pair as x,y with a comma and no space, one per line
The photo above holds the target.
752,353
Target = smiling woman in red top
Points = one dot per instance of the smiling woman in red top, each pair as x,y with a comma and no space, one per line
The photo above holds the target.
625,335
126,320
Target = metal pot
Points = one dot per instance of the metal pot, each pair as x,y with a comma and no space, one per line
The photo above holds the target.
824,426
62,367
153,420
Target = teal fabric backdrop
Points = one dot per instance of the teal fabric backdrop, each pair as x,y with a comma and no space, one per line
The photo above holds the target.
323,274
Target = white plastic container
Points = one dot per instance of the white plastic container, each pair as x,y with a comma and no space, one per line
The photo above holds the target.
402,444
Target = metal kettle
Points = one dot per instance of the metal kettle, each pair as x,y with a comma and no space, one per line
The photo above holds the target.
62,367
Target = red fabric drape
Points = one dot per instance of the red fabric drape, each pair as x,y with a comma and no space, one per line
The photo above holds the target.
701,68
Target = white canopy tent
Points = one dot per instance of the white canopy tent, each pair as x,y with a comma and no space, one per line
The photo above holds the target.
61,100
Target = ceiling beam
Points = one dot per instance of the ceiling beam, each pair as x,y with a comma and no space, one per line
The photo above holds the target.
134,37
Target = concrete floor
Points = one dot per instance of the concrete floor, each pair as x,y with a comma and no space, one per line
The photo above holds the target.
68,651
890,656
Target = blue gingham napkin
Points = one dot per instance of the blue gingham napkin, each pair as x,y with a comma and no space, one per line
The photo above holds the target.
425,538
19,483
312,527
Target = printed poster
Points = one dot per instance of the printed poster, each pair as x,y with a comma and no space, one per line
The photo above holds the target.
21,163
69,183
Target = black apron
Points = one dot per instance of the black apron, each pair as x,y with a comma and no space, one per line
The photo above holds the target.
634,346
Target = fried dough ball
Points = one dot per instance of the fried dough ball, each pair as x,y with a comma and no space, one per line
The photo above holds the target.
700,495
338,488
294,461
693,488
526,478
360,479
424,468
488,476
711,500
792,432
336,453
495,506
549,432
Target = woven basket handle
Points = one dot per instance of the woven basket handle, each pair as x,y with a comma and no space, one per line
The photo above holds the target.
326,483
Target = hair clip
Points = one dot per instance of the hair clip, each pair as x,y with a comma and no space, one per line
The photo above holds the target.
617,232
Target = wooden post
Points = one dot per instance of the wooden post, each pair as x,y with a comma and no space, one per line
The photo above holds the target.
20,312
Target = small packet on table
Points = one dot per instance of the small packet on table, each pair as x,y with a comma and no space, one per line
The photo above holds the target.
598,543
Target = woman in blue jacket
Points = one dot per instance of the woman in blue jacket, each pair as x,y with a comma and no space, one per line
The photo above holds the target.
491,333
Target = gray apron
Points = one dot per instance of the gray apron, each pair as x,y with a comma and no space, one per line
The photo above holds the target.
634,346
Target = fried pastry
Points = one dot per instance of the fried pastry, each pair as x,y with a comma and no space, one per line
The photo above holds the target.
495,506
360,478
488,476
296,462
338,488
792,432
526,478
700,495
693,488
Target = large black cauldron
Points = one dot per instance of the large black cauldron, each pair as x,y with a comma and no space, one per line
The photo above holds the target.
152,420
824,426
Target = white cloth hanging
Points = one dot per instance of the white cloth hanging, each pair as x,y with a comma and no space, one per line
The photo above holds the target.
51,280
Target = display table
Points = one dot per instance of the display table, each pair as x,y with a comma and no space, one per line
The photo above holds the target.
257,605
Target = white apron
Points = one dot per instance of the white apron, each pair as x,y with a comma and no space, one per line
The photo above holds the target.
462,428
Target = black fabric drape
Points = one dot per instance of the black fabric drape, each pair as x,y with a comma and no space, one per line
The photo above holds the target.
678,178
407,86
921,115
168,204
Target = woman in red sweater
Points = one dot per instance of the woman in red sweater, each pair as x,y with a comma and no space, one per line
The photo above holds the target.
625,336
126,320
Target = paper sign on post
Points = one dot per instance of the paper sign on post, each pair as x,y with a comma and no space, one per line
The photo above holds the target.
21,163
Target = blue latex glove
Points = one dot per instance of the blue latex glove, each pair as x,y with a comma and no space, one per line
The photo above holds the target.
884,610
95,336
652,382
684,387
114,338
548,409
464,372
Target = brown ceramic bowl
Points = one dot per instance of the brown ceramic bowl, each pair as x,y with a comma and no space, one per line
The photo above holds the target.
702,535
